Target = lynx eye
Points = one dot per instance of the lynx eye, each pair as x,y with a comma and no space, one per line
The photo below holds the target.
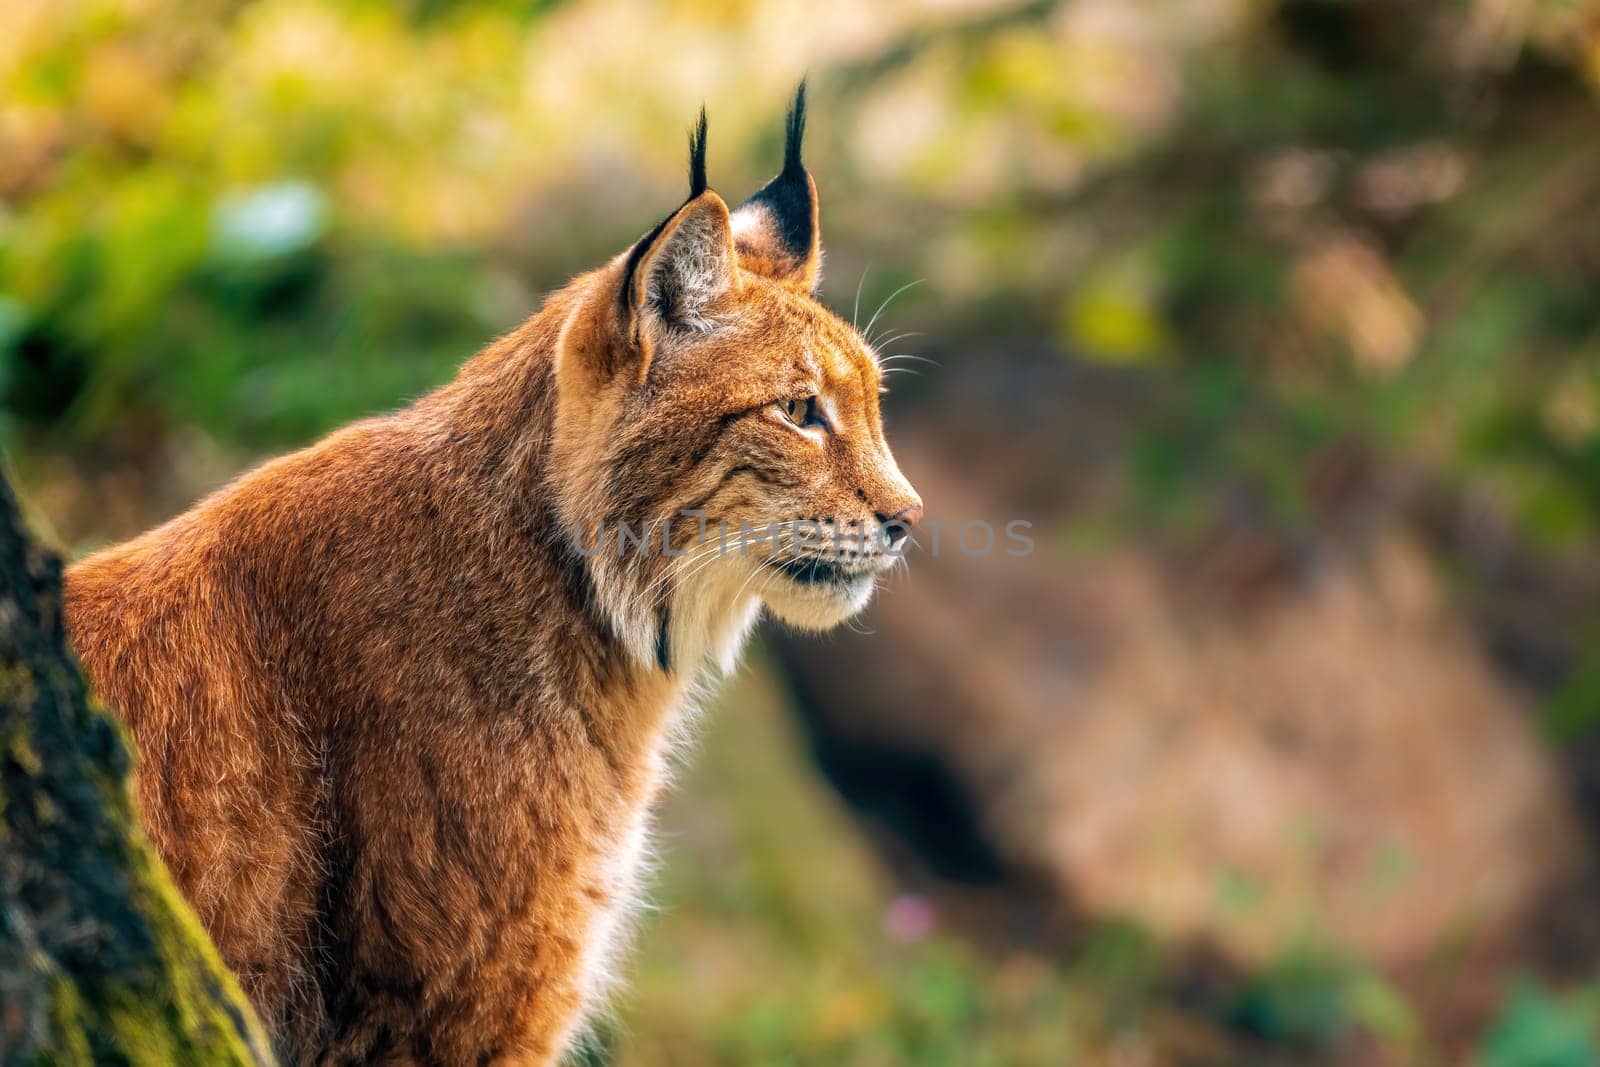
803,412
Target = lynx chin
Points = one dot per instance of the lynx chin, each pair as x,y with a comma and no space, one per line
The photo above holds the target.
399,733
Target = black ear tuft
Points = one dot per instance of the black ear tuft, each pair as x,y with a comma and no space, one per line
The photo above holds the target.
776,230
697,157
795,133
697,186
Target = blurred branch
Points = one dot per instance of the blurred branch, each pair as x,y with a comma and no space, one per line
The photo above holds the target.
1560,192
863,72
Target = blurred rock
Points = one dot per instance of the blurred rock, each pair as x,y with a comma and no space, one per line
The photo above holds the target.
1260,748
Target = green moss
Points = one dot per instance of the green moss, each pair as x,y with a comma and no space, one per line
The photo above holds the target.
68,1045
102,960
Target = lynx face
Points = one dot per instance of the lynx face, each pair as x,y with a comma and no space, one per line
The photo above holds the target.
707,399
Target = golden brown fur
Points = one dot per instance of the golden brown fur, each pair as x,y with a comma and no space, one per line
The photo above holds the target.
398,736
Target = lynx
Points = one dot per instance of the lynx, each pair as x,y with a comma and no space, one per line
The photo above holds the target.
401,699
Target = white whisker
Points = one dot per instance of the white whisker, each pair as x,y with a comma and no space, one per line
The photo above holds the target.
867,331
901,336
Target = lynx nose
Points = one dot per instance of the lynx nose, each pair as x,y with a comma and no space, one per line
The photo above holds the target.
897,527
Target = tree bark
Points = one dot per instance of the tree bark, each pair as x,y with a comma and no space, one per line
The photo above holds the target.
101,961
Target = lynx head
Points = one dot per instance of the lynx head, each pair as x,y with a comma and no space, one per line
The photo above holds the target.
709,406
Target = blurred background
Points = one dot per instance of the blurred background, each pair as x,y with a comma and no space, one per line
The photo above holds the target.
1279,321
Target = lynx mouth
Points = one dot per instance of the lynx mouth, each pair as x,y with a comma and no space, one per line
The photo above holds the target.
813,570
821,571
821,592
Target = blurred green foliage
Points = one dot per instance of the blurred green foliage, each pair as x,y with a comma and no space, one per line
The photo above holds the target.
1536,1030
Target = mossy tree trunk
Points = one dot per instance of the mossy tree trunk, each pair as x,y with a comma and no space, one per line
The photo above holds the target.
100,960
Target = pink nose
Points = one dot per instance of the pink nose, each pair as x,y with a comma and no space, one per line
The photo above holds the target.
897,527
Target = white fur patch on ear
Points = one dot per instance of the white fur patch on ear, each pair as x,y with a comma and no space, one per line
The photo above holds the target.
693,267
750,220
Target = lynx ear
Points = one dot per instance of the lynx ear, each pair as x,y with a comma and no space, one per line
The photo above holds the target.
686,263
776,231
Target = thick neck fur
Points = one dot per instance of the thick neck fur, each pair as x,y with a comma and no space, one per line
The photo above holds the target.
487,439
